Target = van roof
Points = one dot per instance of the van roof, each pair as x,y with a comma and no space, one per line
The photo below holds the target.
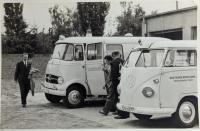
110,40
175,44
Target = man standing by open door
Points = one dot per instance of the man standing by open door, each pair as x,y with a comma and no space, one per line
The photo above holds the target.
115,78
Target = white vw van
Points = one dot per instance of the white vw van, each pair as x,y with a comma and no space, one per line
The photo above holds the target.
160,81
74,71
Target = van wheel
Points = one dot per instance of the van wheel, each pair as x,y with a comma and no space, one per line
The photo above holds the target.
53,98
74,97
186,115
142,117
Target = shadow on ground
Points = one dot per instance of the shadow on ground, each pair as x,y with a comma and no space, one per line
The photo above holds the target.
99,103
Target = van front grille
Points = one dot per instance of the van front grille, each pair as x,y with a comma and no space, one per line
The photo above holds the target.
51,79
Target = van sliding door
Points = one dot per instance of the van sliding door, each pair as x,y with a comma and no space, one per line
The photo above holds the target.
94,62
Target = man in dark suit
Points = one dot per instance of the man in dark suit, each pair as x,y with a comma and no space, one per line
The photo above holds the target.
21,75
115,78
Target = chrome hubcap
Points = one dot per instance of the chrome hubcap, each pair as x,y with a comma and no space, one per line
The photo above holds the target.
187,112
74,97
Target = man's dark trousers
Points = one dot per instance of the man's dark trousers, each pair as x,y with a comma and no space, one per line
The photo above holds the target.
24,90
110,100
21,75
115,67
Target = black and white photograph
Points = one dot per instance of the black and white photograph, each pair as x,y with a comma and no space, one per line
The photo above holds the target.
104,64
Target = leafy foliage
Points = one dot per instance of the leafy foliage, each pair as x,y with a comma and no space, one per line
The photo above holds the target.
64,22
92,14
13,19
130,20
45,45
17,40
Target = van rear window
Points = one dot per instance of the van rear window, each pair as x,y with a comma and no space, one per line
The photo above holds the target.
110,48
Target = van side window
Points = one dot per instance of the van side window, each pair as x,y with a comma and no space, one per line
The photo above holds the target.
78,53
68,53
113,47
150,58
94,51
181,58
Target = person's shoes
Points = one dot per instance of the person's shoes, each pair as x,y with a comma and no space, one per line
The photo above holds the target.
24,106
102,112
121,117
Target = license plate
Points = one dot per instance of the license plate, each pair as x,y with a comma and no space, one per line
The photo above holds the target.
127,108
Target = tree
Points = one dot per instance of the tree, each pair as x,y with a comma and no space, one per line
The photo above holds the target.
17,40
15,27
92,15
14,22
64,22
45,45
130,20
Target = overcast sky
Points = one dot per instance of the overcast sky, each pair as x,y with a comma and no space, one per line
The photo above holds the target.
36,12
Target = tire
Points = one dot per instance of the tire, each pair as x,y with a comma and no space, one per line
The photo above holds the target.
142,117
186,114
74,97
53,98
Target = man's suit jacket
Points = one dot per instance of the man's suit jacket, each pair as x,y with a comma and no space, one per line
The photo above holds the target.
22,72
115,67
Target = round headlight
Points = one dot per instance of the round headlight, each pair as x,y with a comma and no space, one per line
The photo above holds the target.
60,80
148,92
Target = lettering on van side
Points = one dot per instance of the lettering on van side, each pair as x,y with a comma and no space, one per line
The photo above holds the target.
182,78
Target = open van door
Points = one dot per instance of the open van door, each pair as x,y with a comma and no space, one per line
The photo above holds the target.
94,72
140,79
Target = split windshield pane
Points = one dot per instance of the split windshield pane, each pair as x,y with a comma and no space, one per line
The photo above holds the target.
150,58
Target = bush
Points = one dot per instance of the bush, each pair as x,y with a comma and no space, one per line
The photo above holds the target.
9,62
40,44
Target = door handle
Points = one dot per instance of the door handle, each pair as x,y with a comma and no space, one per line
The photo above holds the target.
156,81
83,66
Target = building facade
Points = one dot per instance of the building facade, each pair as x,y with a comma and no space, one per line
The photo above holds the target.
180,24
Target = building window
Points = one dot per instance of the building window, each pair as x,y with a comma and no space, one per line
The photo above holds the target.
194,33
173,34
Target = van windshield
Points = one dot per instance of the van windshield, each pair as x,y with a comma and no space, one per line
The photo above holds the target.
150,58
63,52
132,58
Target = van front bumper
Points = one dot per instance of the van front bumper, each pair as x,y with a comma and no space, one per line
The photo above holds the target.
146,110
52,89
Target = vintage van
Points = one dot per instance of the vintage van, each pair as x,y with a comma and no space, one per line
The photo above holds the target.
74,71
161,81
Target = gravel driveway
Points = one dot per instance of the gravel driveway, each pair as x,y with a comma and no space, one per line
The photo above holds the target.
40,114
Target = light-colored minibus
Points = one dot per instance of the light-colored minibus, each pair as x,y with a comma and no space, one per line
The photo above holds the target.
161,81
74,71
